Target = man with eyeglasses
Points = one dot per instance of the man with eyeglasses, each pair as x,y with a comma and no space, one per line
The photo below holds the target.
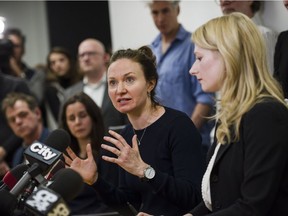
252,10
93,58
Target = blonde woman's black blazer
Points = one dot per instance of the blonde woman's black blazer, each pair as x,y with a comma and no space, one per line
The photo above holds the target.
250,177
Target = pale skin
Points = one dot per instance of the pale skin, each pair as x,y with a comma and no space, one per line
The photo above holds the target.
128,92
165,15
25,123
2,153
92,59
206,56
80,125
59,64
209,68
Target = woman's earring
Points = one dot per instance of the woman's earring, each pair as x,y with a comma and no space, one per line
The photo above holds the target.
148,94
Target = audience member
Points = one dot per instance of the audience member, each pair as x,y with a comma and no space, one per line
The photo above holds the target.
62,73
280,58
82,118
93,64
159,153
248,169
174,52
24,117
9,142
19,68
252,10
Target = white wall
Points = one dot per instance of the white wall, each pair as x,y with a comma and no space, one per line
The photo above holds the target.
30,17
132,24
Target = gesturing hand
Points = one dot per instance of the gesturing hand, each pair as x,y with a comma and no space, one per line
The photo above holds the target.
127,157
87,168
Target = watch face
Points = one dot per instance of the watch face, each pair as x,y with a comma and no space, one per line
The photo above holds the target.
149,173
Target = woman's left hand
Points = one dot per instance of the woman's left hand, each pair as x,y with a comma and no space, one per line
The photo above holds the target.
127,157
87,168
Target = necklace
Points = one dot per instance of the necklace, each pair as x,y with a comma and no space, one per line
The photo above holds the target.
139,140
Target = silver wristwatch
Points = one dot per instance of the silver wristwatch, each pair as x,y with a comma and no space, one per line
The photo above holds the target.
149,173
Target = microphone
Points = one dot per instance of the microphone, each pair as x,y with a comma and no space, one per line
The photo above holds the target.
47,155
57,166
12,177
67,189
42,157
51,200
45,201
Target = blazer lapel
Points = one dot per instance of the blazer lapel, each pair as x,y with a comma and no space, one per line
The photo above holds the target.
221,151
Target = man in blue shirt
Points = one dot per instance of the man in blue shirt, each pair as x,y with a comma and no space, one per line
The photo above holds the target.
174,50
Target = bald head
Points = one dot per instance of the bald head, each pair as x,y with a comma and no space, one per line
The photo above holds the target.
92,57
93,44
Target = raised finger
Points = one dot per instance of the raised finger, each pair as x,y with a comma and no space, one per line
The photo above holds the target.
113,150
118,137
70,152
110,159
89,151
68,160
114,141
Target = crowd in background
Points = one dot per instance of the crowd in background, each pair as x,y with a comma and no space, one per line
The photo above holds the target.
150,124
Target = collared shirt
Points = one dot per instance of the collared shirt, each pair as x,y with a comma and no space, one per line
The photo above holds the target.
95,91
270,38
176,88
18,156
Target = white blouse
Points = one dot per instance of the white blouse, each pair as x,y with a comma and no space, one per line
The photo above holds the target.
205,188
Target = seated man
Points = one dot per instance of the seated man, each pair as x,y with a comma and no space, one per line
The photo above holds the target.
24,117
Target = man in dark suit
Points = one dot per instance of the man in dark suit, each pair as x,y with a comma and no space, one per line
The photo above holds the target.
93,61
280,59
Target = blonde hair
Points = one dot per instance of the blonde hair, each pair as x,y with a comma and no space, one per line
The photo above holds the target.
247,78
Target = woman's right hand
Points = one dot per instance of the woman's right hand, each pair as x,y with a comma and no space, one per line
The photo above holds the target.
87,168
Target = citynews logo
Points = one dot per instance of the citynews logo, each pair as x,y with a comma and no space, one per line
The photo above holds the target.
43,200
42,150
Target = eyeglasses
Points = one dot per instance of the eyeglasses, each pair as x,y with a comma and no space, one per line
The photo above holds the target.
89,54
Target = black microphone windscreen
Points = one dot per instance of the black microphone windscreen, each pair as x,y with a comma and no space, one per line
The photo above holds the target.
58,139
68,183
14,175
8,203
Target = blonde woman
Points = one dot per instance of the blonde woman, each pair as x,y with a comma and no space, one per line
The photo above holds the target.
247,172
